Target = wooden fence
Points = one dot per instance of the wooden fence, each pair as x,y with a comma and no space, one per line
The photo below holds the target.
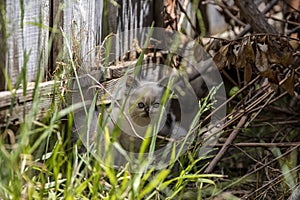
31,30
34,35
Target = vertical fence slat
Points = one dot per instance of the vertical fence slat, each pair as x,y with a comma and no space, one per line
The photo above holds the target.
3,45
44,35
82,22
56,22
27,42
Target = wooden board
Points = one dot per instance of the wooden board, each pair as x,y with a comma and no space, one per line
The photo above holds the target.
85,25
22,104
27,40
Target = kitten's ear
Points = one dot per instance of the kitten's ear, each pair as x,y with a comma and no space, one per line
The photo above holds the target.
131,82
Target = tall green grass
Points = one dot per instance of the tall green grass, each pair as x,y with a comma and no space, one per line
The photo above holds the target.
40,160
44,164
62,172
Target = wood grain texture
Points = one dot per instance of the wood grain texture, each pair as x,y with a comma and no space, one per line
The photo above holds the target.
28,37
82,23
20,105
3,46
80,27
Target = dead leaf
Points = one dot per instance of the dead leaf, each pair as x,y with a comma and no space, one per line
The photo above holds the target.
240,58
224,49
263,47
248,51
220,60
288,84
280,52
261,61
247,73
232,54
294,44
246,54
221,57
271,75
287,58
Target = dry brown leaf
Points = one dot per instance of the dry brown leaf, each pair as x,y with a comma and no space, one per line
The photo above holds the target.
170,15
220,60
280,52
287,58
240,58
224,49
288,84
294,44
260,39
248,51
247,73
271,75
262,51
232,52
263,47
261,61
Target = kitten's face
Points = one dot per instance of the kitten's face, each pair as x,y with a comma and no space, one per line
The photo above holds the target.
145,103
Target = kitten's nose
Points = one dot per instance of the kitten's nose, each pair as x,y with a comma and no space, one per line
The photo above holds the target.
146,109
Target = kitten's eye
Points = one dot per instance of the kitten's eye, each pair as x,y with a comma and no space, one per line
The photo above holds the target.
141,105
156,105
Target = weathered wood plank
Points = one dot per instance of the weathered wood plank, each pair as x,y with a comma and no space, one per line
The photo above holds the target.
56,22
3,45
82,23
27,44
22,104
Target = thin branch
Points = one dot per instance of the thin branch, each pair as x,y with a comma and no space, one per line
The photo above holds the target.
257,144
258,169
277,180
226,145
227,11
187,17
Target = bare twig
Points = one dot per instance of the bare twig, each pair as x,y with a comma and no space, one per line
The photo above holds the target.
277,123
187,17
230,99
277,179
258,169
258,144
284,21
227,12
223,150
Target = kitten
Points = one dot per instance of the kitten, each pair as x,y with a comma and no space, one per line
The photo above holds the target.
144,109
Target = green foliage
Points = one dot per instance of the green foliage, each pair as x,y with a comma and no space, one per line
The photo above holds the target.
43,163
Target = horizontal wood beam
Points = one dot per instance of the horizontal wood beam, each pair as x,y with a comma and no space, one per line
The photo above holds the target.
14,105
